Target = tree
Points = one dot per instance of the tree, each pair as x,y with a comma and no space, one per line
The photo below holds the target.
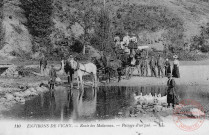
89,20
103,29
1,28
38,14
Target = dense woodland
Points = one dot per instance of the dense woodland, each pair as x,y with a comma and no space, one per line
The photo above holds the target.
99,23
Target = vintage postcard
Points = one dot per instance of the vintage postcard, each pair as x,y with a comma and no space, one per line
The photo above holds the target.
132,67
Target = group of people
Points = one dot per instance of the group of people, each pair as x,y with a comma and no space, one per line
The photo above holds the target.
136,58
53,73
128,51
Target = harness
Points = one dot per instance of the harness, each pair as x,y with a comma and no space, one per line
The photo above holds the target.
78,68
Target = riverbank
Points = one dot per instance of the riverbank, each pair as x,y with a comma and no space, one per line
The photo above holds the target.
189,75
16,90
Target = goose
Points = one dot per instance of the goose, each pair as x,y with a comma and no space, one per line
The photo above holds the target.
155,98
138,97
162,99
149,98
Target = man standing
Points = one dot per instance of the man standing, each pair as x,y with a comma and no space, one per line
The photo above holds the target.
144,64
69,71
138,61
144,68
167,67
160,66
152,64
43,64
133,43
53,76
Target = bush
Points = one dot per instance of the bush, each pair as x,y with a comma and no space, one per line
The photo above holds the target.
25,71
192,56
205,48
77,46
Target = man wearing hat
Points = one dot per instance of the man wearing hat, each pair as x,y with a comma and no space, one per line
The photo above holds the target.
172,98
160,66
53,76
138,61
152,64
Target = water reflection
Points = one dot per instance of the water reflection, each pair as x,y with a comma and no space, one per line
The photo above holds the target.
84,103
100,103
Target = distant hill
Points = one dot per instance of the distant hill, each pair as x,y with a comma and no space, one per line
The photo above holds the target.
154,21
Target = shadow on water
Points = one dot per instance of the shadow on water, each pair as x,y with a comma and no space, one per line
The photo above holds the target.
95,103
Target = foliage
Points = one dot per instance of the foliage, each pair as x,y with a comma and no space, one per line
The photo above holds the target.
26,71
200,42
192,56
82,57
77,46
139,18
102,30
39,22
1,28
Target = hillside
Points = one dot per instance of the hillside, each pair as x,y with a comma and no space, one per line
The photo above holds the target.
156,22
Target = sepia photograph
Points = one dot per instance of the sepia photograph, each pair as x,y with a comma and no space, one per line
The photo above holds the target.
104,67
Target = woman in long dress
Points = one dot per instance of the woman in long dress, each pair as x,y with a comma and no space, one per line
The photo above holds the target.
175,71
172,97
167,67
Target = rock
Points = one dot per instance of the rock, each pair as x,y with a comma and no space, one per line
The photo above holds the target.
132,115
120,113
22,100
45,89
18,94
32,90
9,97
2,99
39,89
42,89
10,72
27,93
17,99
158,108
23,87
